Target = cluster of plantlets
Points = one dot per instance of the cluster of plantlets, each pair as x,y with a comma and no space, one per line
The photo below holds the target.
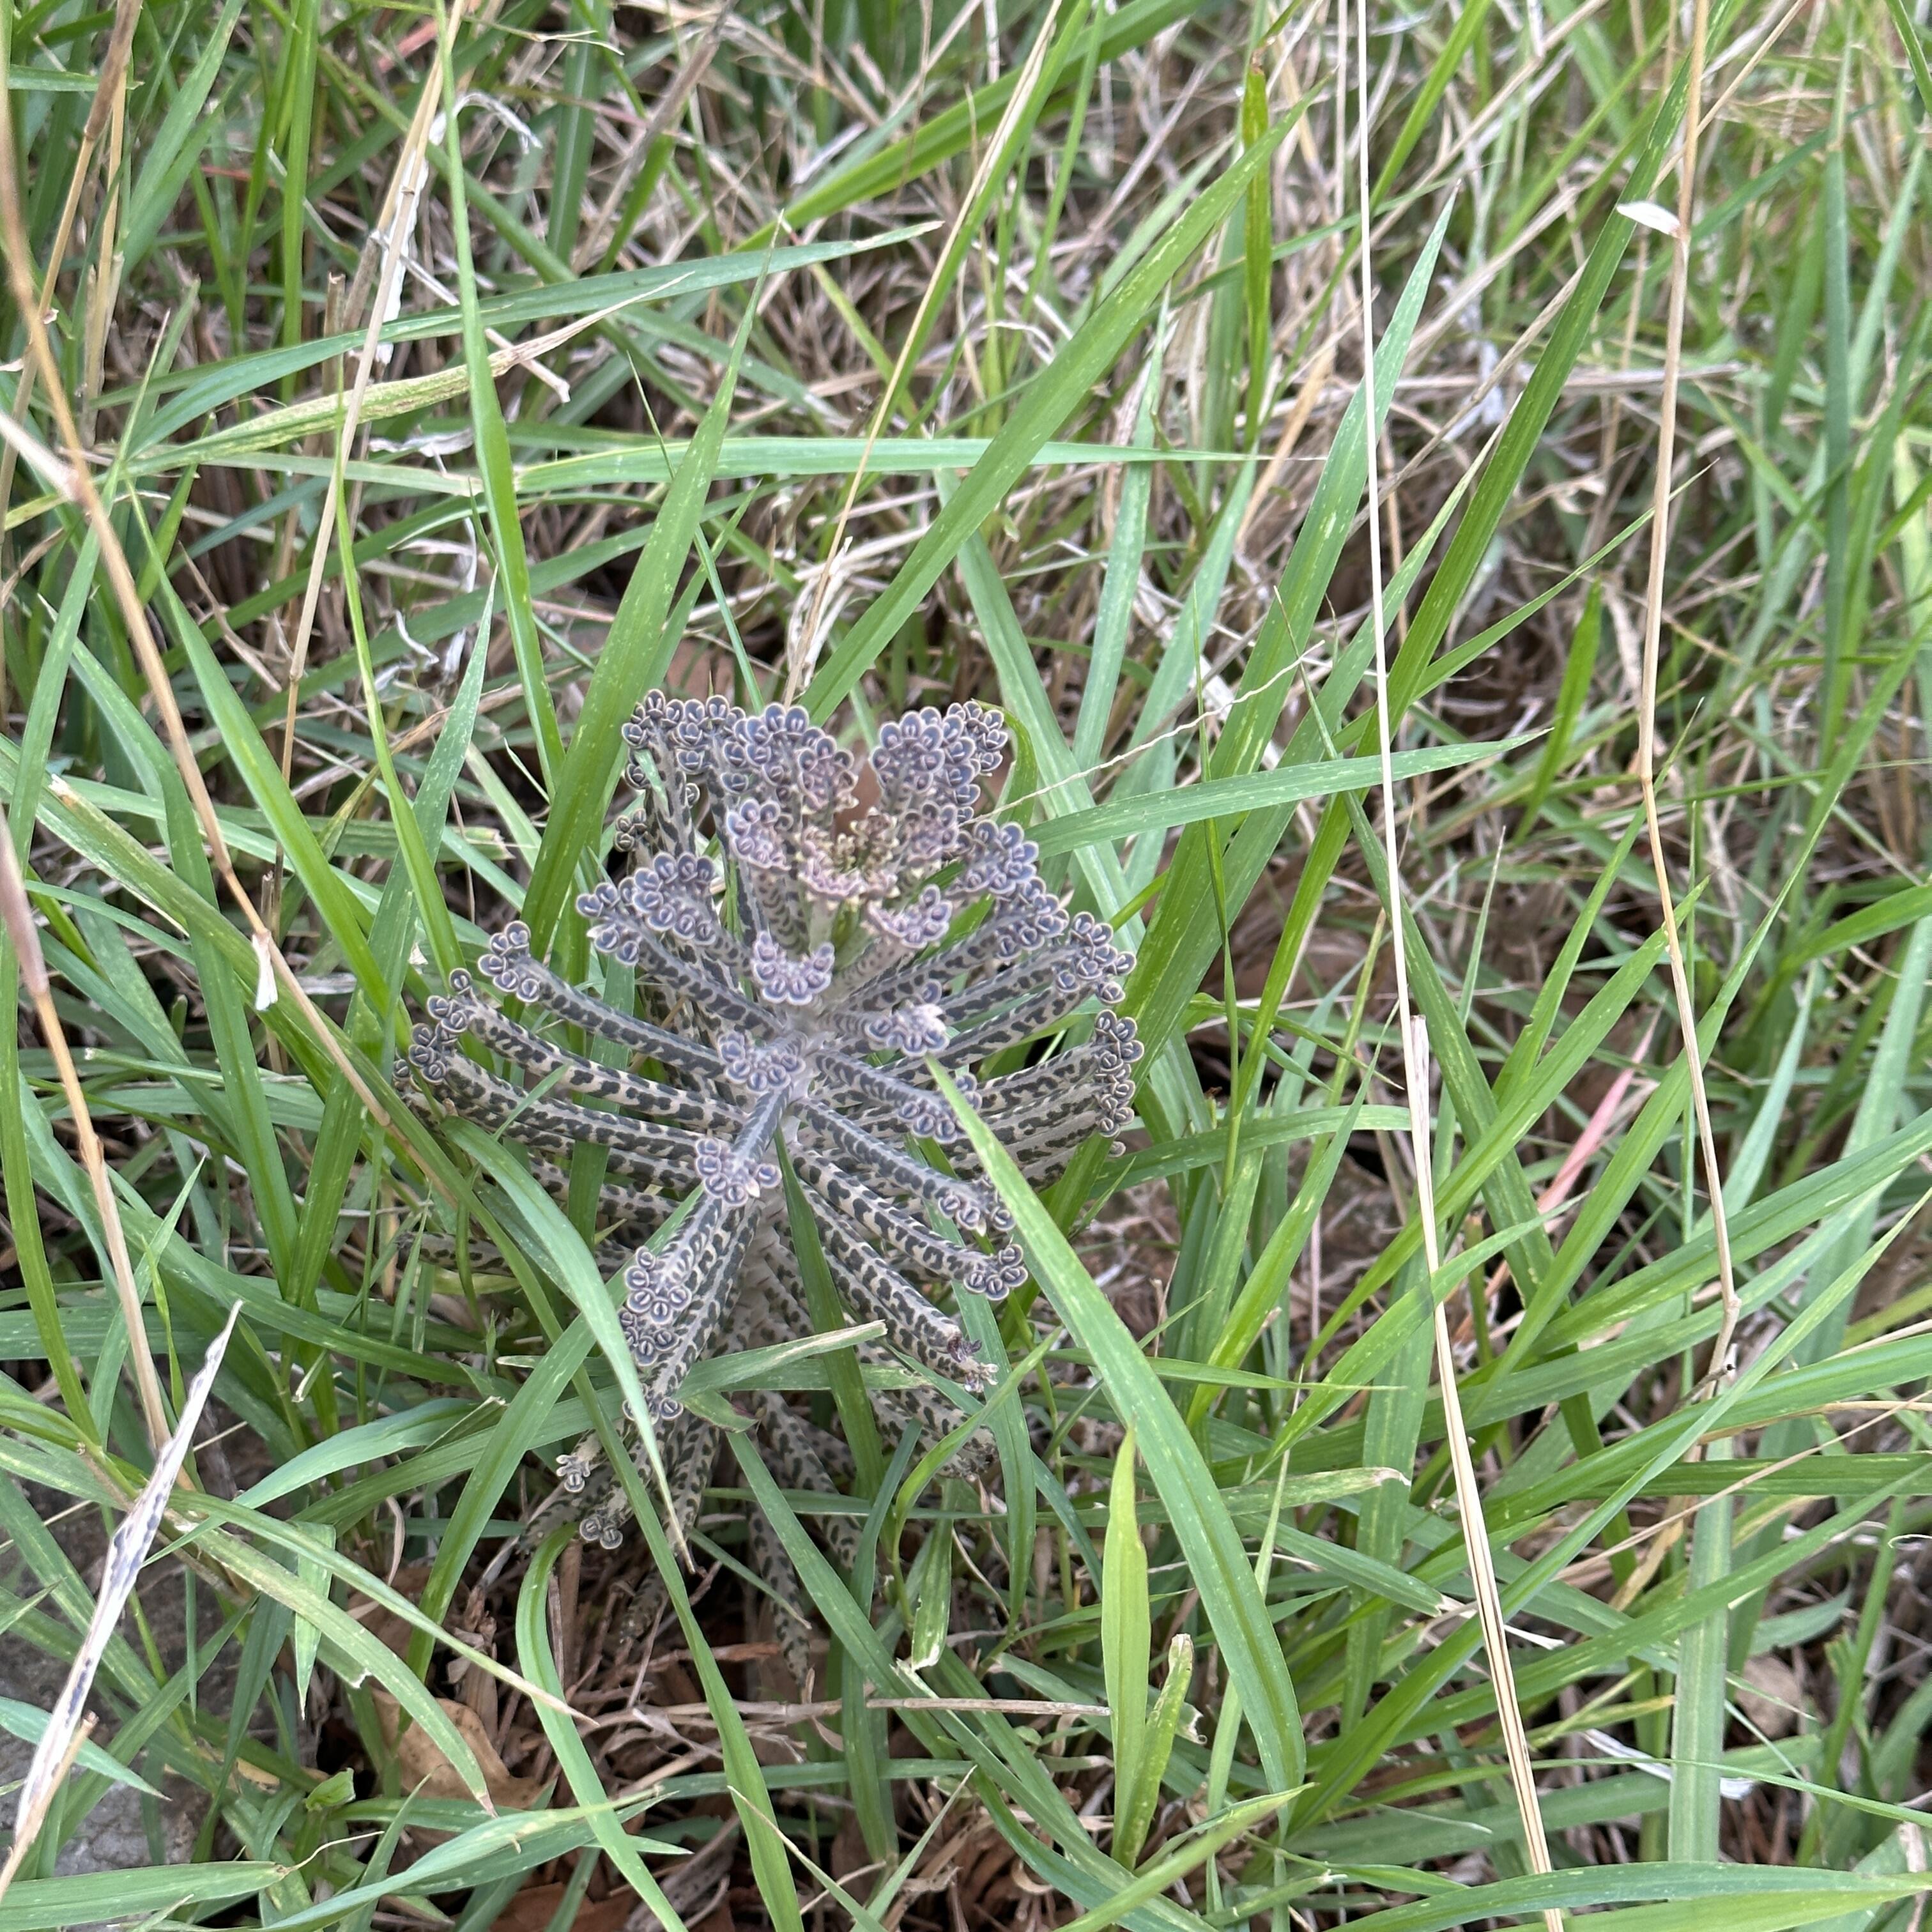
824,941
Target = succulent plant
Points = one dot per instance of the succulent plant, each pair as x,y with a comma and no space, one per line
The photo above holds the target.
815,933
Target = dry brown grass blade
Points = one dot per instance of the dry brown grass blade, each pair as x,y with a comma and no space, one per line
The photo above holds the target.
30,964
107,92
315,416
1314,381
1415,1075
50,469
1646,742
1468,1497
102,281
27,1825
134,616
126,1551
406,188
597,236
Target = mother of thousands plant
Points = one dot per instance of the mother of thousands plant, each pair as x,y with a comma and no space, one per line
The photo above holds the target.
814,935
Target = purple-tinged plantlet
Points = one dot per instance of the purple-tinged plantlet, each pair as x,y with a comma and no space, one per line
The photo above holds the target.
816,933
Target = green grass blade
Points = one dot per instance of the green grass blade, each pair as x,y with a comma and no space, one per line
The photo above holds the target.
1213,1551
633,660
1048,400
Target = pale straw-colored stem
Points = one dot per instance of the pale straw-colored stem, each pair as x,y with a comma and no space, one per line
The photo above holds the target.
107,93
1646,723
68,1723
134,616
405,191
17,916
1415,1079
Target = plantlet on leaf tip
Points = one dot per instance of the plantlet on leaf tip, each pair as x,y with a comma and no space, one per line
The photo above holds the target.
818,931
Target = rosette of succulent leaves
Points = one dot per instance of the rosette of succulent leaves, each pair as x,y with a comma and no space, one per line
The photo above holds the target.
810,933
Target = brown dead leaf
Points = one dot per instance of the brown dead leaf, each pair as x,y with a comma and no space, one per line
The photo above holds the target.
1773,1699
533,1908
382,1624
423,1766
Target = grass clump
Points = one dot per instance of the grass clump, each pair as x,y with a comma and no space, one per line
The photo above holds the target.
1459,1458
